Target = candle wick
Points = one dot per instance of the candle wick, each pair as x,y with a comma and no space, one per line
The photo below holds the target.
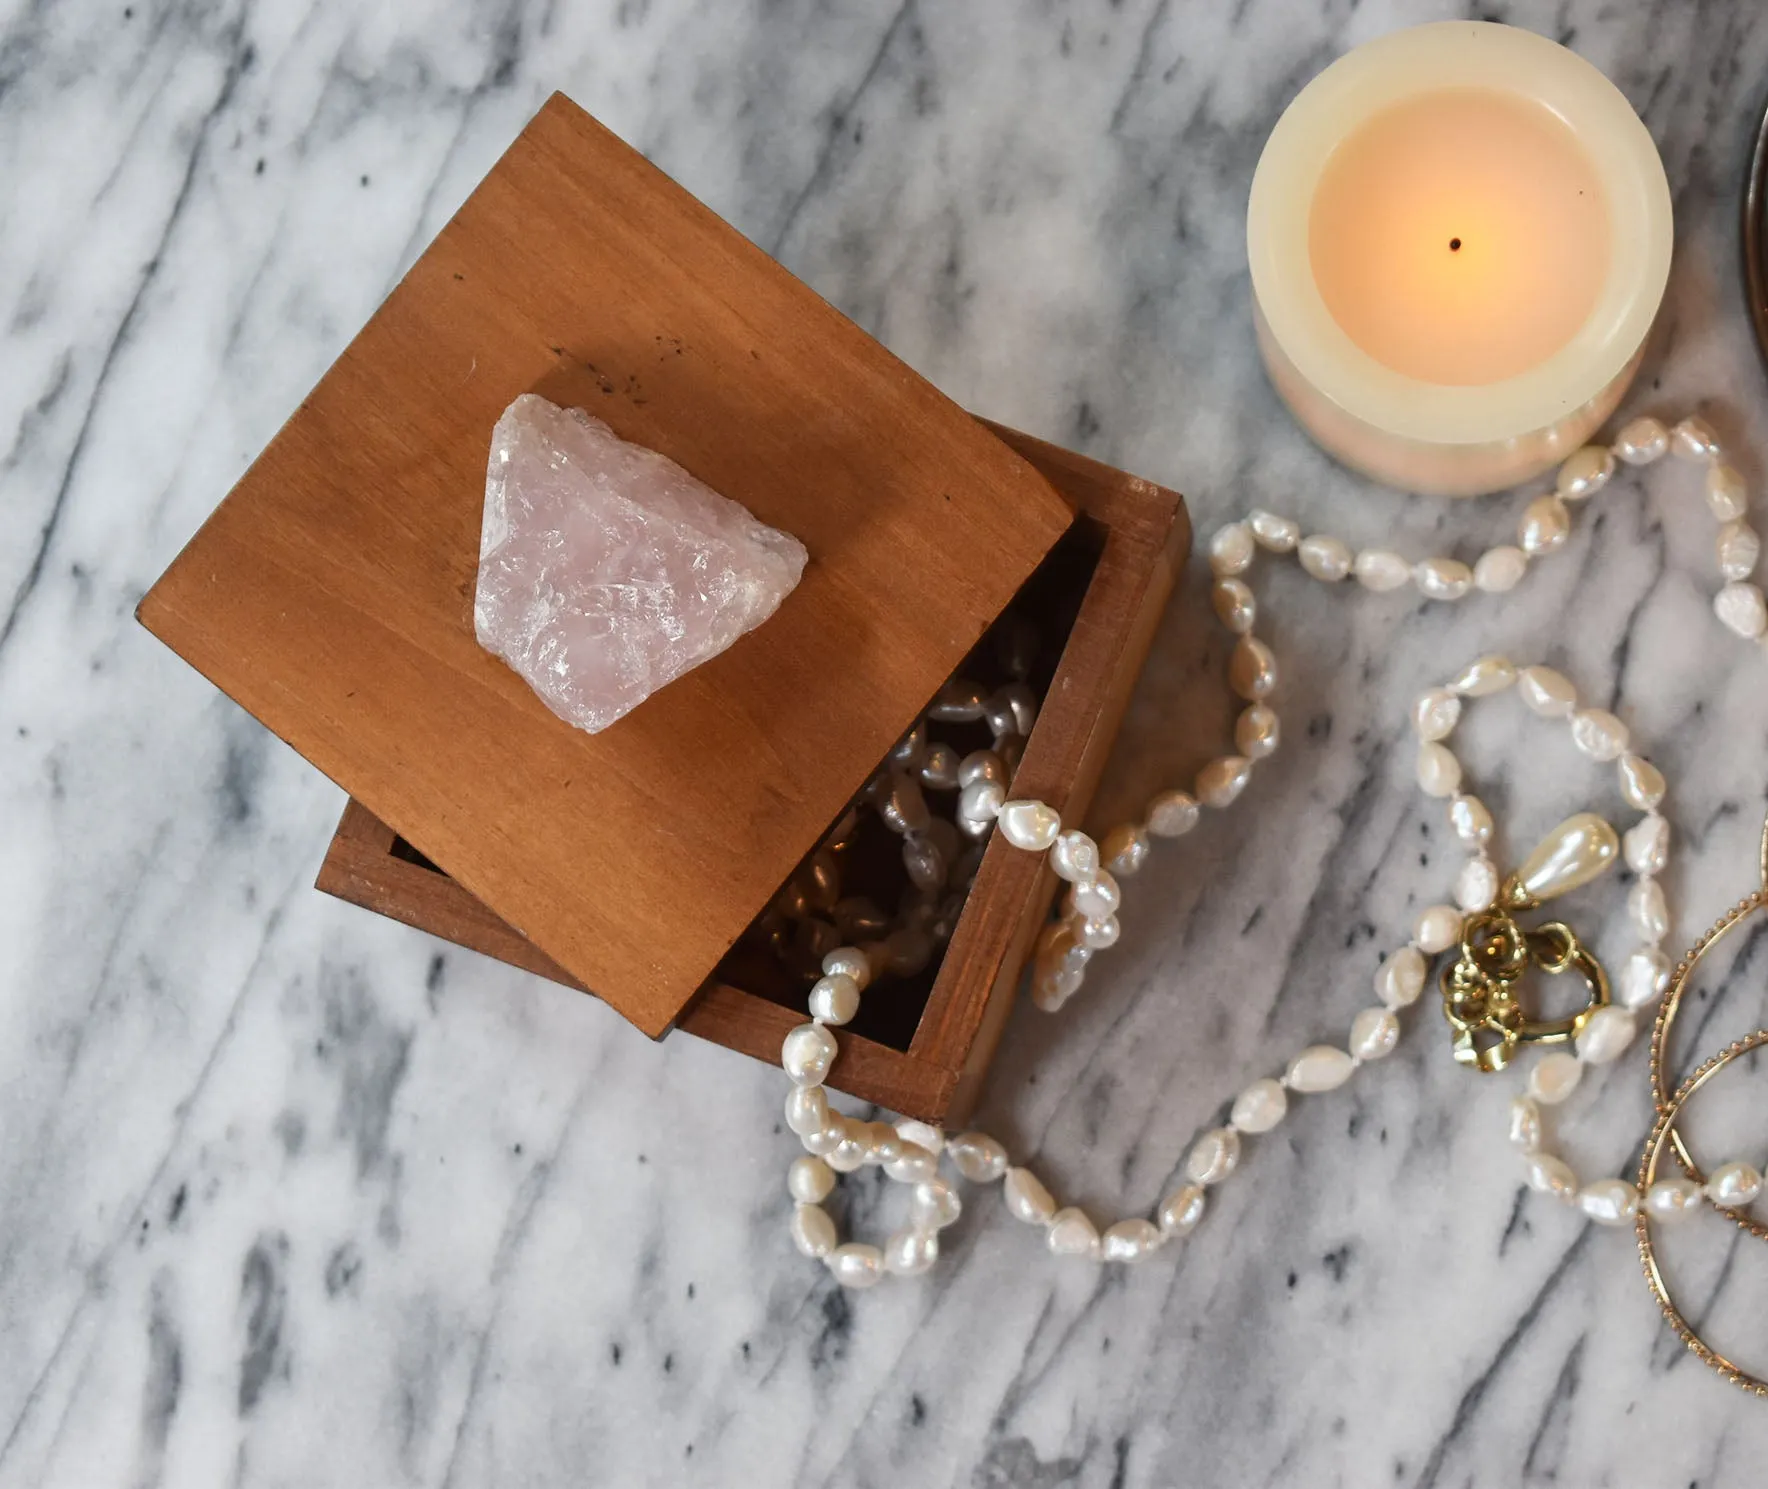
1454,245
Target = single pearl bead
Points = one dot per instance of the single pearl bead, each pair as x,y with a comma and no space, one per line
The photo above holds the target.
1097,898
1548,693
856,1265
922,1135
807,1054
1320,1067
1643,976
1545,526
835,998
1648,910
1436,714
1130,1241
1470,821
1607,1032
958,702
915,1165
807,1109
909,1253
1021,702
1437,929
1026,1197
1742,609
1074,856
926,868
1439,772
940,768
1029,825
1374,1034
883,1143
1325,557
978,1157
1641,441
852,1152
1574,854
849,962
1642,783
1599,734
1172,814
1400,979
1071,1233
1181,1210
1257,731
934,1205
1380,571
1671,1199
1586,473
1252,670
1550,1175
1554,1077
908,949
1230,550
1275,534
1647,845
980,803
809,1180
1500,570
1733,1185
1484,677
825,1141
1126,848
1097,934
1260,1107
1727,497
1053,985
1609,1201
1525,1125
1693,439
1442,578
905,808
1234,604
813,1233
1476,886
982,765
1739,550
1213,1156
1220,783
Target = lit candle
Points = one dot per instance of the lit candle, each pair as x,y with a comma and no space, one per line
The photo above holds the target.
1459,236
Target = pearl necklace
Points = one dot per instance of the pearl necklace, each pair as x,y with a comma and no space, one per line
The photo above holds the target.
1571,856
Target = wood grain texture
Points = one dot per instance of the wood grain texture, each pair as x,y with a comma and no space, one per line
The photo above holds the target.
1145,537
331,593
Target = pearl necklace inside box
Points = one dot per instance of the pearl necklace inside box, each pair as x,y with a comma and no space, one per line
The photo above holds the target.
331,595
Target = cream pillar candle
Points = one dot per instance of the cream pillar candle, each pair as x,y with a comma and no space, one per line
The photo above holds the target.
1459,235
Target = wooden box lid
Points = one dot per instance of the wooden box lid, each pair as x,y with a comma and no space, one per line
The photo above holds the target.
331,593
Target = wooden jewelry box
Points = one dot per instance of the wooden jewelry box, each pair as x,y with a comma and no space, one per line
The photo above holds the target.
331,595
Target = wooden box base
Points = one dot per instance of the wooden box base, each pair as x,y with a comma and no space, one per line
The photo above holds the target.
928,1057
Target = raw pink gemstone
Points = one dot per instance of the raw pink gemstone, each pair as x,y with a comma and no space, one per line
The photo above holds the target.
606,570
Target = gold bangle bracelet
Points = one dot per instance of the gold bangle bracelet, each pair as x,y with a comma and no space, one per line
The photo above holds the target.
1648,1166
1666,1017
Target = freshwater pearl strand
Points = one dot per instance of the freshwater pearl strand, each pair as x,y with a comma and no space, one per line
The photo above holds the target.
909,1151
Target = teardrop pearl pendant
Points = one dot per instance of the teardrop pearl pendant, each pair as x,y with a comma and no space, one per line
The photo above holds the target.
1579,850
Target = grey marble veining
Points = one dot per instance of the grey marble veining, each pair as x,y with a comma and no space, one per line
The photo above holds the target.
290,1195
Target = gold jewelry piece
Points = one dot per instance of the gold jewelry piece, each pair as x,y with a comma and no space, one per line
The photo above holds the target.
1648,1166
1667,1010
1479,987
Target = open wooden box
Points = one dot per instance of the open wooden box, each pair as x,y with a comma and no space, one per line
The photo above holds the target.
929,1040
331,595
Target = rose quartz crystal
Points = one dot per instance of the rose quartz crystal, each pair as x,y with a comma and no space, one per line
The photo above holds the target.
606,570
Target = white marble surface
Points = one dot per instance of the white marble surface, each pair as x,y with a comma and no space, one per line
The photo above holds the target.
290,1195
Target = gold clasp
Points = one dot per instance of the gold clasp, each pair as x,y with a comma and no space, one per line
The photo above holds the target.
1479,987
